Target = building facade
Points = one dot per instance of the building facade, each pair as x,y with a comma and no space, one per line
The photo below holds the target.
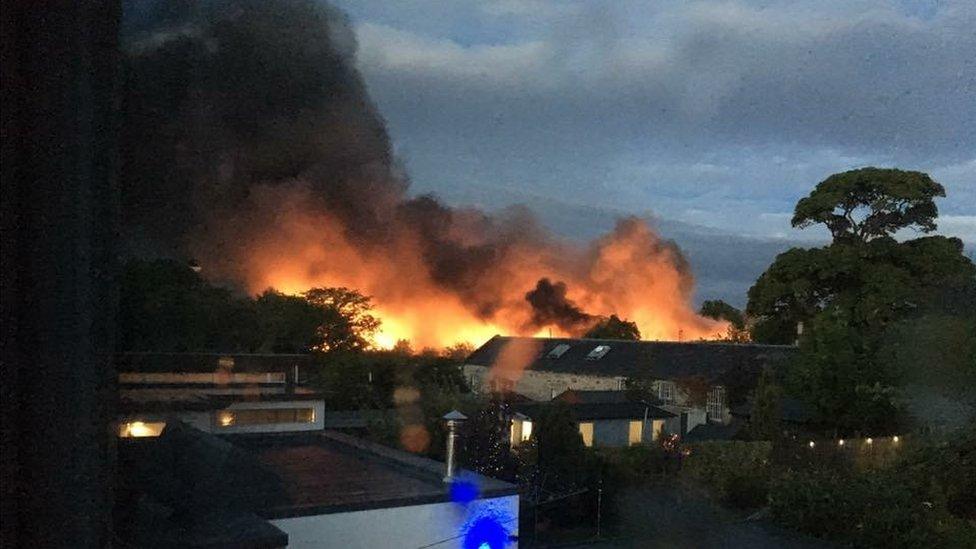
697,382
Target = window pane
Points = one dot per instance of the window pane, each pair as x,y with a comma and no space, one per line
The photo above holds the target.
139,429
634,432
586,430
266,416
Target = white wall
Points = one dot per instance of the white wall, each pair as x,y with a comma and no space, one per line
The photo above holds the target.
399,527
539,385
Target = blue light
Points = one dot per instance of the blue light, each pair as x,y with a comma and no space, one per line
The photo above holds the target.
486,532
463,491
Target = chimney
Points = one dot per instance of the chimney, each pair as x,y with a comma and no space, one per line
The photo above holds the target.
454,419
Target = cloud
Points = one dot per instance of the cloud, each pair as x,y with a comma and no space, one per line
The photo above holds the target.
721,113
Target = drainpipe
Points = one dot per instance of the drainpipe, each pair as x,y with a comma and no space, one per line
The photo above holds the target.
453,419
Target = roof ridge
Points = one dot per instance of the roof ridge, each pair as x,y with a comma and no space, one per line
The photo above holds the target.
647,341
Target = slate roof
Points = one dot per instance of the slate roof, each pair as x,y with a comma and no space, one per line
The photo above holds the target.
575,396
714,431
600,410
656,359
791,410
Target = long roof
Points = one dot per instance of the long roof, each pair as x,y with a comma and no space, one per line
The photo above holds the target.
589,411
655,359
329,472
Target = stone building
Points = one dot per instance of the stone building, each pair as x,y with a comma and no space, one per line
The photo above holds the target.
698,382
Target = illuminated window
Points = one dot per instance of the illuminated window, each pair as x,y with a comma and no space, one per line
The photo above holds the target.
636,429
657,427
716,403
586,431
526,430
140,429
265,416
665,391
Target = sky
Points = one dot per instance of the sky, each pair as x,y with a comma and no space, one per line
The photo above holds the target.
709,116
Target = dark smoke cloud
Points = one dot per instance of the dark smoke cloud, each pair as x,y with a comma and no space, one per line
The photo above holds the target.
222,96
550,306
238,114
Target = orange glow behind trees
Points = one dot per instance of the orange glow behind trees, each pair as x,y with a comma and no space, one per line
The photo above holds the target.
630,272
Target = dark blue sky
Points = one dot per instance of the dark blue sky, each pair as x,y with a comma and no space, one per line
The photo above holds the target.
718,114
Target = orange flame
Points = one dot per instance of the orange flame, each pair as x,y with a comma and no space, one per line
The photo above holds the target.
629,272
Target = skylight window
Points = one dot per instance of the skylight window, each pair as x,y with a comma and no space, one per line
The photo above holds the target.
598,352
558,351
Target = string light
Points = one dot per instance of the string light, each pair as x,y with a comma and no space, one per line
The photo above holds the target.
812,444
870,441
894,438
840,442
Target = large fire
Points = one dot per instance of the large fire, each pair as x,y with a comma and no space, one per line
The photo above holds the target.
629,272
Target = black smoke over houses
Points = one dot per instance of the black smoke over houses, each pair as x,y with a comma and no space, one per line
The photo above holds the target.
550,306
249,143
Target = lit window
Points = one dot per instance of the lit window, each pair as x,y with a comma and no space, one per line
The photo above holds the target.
558,351
526,430
665,391
658,429
586,431
140,429
265,416
634,433
598,352
716,403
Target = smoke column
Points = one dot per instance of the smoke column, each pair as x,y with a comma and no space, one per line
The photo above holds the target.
251,144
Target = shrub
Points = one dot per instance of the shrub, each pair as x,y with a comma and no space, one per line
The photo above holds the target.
868,509
736,472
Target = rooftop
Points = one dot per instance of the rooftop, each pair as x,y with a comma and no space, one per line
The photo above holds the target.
658,359
329,472
210,362
586,411
236,483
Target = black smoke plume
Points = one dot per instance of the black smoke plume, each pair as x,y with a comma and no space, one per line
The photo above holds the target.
550,306
240,115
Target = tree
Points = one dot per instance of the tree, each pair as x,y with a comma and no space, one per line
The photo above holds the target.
720,310
837,373
850,293
485,445
860,205
560,454
287,323
764,421
347,323
614,328
165,306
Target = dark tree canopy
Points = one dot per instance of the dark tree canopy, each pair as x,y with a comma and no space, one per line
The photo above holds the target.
347,324
853,294
720,310
613,327
863,204
165,306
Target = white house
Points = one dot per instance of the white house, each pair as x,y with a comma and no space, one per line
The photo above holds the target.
694,381
216,393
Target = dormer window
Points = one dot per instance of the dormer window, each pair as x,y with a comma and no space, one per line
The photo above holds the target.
598,352
557,351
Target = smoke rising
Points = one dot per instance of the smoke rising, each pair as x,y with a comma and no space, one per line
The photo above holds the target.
551,306
250,143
